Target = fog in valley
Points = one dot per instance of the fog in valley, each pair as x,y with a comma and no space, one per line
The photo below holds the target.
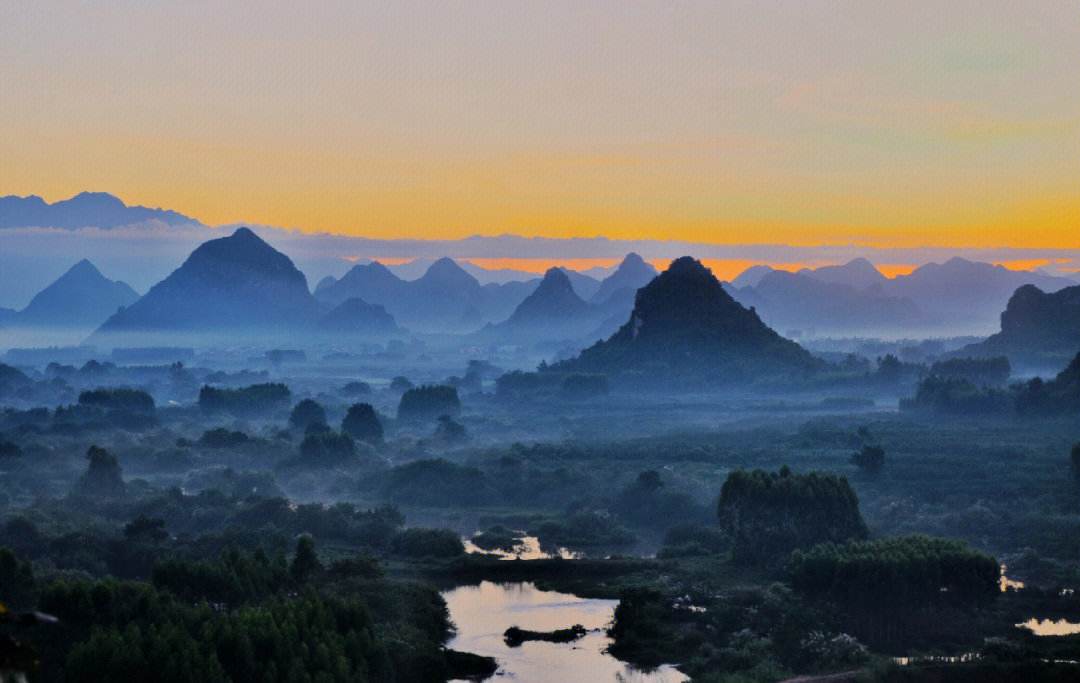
638,473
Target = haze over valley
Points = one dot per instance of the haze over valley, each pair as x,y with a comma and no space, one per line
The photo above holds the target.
563,342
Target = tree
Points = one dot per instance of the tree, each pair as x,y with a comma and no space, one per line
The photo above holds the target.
429,402
581,385
102,477
248,401
870,459
219,437
890,587
16,579
450,430
362,423
305,562
132,400
146,528
1074,457
400,383
305,413
356,388
417,542
769,514
905,571
327,448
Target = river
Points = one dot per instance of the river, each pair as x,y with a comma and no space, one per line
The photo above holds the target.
483,612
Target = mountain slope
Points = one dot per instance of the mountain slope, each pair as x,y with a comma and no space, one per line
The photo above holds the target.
445,298
633,273
356,316
81,298
86,209
232,285
858,273
685,325
1038,330
797,300
553,302
967,295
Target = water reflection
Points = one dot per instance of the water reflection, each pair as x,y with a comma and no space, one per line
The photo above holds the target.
528,548
482,613
1008,584
1049,627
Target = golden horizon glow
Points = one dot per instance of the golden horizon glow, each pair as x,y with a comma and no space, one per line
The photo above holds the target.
713,123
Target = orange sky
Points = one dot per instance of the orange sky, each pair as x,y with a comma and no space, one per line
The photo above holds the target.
915,124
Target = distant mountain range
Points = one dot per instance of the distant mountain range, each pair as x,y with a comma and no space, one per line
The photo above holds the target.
442,295
446,297
960,296
686,328
86,209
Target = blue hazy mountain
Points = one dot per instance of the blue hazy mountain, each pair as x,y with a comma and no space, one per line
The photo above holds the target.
966,292
81,298
955,297
552,311
231,285
858,273
553,302
445,298
632,274
801,301
1039,330
357,317
86,209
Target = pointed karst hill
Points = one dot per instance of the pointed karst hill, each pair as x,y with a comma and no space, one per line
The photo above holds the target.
685,325
633,273
1038,329
81,298
446,274
357,317
553,302
237,283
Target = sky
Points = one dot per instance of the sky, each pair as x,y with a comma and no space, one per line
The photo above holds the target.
891,125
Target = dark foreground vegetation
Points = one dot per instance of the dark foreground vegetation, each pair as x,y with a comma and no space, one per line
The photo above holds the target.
247,525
